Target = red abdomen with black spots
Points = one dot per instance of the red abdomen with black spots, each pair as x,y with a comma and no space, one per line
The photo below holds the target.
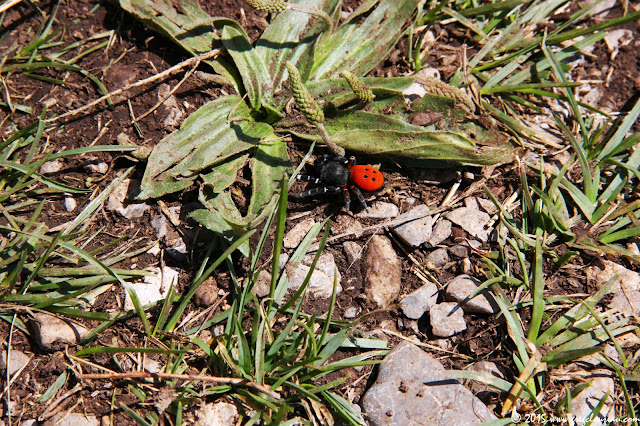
366,177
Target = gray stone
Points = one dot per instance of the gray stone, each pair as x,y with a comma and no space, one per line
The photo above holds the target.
351,312
488,369
441,231
459,251
345,224
17,360
447,319
154,287
99,168
623,277
70,204
217,414
465,266
122,195
487,205
584,403
207,294
294,237
72,419
419,301
321,281
263,284
627,303
379,210
382,272
412,388
460,289
353,251
437,258
418,231
53,166
52,332
472,221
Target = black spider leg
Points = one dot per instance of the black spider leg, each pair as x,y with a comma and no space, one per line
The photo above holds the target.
358,194
318,191
308,178
351,162
347,197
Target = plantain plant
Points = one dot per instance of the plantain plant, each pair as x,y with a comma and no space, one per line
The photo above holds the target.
245,129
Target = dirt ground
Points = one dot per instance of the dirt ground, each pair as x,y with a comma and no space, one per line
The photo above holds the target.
136,52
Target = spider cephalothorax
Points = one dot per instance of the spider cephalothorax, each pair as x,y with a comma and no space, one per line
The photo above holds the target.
337,174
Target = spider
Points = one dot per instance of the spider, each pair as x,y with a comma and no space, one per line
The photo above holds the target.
337,174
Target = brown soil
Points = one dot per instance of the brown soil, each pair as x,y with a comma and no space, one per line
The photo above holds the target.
137,52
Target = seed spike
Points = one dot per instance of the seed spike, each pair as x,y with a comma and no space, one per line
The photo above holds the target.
362,91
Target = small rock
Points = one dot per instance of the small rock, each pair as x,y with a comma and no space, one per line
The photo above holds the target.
382,272
459,251
351,312
152,366
471,202
262,286
460,289
345,224
379,210
447,319
217,414
437,258
159,224
170,106
49,102
595,359
441,231
583,404
465,266
100,168
70,204
413,388
53,166
487,205
154,287
488,368
119,197
416,303
353,251
72,419
628,340
627,303
177,250
50,331
623,277
294,237
418,231
472,221
322,278
207,294
17,360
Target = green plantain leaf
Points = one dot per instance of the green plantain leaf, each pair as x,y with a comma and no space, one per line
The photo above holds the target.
365,39
269,162
255,78
204,140
418,147
292,36
187,25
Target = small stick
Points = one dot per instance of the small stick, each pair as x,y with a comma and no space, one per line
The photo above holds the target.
189,62
206,379
333,147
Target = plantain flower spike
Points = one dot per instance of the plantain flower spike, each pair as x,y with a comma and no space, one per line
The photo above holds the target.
362,91
269,6
308,106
